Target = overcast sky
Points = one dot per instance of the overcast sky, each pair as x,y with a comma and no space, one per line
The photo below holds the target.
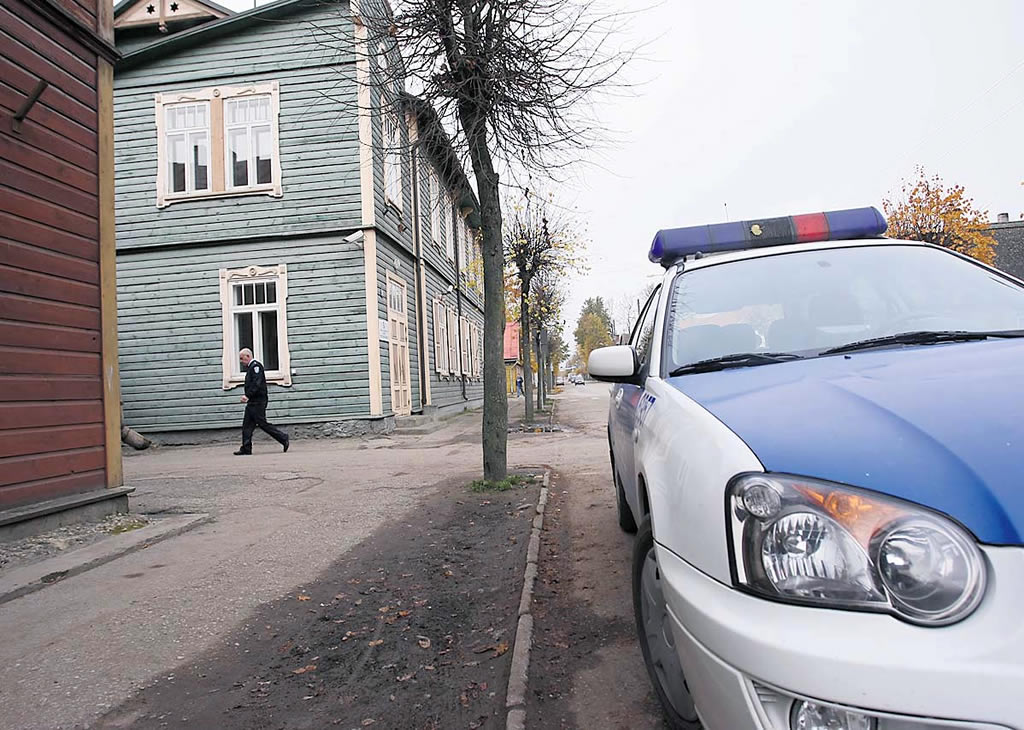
777,107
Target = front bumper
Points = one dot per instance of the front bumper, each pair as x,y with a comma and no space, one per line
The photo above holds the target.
746,658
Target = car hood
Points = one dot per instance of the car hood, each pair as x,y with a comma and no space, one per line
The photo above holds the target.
940,425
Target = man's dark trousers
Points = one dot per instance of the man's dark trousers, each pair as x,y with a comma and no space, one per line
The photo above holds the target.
256,415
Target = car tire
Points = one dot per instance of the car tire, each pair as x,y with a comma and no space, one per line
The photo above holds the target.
655,636
626,519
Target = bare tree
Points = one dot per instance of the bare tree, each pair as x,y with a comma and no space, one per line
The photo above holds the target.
512,80
547,300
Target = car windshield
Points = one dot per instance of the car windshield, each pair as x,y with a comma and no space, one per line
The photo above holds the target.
810,301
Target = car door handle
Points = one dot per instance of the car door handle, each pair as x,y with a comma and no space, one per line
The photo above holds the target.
618,398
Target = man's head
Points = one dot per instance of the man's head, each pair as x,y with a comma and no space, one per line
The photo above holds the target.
245,357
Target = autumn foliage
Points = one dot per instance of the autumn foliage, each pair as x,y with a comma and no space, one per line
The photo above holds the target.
927,210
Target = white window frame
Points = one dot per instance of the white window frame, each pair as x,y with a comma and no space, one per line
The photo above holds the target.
391,133
440,338
188,133
449,233
252,185
231,372
218,170
478,359
435,208
464,347
454,366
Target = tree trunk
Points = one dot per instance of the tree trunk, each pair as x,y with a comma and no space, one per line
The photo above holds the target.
540,375
524,338
494,431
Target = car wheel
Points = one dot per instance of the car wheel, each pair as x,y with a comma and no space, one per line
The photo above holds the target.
626,520
655,633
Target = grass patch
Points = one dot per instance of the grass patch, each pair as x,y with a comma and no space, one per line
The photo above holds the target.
512,481
127,526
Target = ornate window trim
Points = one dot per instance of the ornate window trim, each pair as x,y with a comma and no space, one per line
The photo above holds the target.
215,97
229,277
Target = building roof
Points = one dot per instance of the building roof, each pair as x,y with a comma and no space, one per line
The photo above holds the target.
1009,246
216,28
439,144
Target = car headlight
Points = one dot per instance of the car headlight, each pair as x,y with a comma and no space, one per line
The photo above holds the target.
818,543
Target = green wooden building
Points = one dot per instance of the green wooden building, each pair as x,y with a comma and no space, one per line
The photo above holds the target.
276,189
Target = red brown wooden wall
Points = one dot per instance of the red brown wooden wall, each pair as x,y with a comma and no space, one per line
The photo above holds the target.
51,396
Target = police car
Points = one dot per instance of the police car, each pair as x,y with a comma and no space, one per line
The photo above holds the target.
818,434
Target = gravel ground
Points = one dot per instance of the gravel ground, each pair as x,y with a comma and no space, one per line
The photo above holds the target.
45,545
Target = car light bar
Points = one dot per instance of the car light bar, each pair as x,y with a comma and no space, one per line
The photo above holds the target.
673,244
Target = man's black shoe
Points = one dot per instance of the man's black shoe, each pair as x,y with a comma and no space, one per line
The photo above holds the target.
243,452
286,444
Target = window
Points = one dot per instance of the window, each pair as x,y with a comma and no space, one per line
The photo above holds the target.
465,345
644,332
449,238
809,301
453,343
435,209
250,148
440,338
218,141
392,161
254,316
188,147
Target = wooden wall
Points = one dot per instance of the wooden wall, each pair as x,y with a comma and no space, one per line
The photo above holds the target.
51,393
318,123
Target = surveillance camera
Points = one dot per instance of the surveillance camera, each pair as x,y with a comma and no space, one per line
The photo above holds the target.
354,237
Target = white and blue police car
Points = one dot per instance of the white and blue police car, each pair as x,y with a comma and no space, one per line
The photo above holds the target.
818,434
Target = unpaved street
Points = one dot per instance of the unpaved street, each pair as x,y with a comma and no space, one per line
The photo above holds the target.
323,514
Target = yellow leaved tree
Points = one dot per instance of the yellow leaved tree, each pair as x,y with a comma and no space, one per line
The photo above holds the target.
928,210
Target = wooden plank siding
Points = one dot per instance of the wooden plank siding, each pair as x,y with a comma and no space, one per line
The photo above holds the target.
51,393
445,390
169,315
318,132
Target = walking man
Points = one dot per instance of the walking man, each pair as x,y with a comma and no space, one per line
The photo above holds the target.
255,400
519,386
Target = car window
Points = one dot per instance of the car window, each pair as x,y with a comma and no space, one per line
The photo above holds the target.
644,331
808,301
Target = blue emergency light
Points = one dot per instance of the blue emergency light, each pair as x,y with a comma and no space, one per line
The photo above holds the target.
672,244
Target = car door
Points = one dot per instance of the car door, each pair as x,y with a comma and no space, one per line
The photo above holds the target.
626,399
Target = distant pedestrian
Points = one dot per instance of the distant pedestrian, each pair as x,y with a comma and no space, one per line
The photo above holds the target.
519,385
255,400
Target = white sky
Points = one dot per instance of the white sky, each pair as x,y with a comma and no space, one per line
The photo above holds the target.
779,107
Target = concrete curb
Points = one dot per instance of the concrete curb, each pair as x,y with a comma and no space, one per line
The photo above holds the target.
31,578
515,697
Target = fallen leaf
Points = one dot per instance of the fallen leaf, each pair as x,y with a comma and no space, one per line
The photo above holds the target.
483,649
423,641
339,596
403,614
367,722
303,670
303,597
406,677
429,667
378,642
384,609
501,648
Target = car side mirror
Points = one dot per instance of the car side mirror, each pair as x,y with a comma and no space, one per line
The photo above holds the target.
616,364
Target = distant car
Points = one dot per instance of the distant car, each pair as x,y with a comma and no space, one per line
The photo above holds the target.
817,434
560,380
578,380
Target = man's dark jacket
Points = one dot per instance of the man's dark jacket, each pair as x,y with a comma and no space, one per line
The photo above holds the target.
255,382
